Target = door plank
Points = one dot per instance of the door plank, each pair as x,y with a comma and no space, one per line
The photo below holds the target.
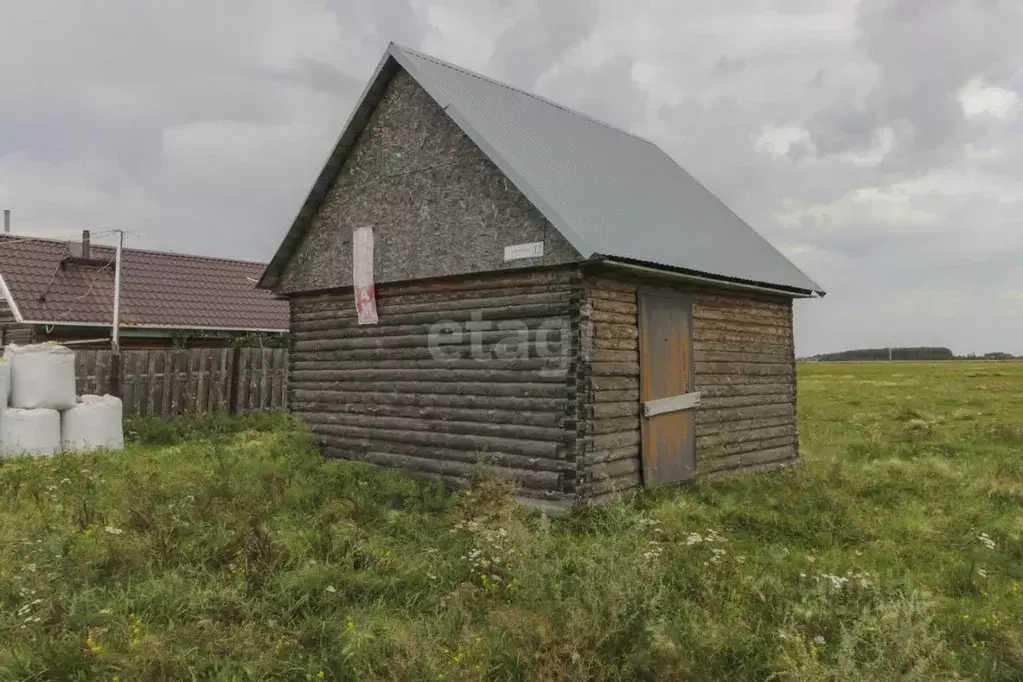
666,371
684,401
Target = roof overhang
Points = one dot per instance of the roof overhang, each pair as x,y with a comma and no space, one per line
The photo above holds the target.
5,292
699,278
107,325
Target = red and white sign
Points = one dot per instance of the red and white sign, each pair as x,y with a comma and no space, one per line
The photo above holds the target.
362,275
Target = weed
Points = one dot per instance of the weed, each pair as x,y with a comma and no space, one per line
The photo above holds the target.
226,548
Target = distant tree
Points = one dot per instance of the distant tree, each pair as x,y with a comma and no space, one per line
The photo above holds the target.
917,353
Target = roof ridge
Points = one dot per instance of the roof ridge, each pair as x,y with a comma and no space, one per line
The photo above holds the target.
52,240
540,98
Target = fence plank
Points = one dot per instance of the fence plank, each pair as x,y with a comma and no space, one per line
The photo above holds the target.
199,380
151,382
222,378
265,356
246,379
275,379
103,365
174,364
88,373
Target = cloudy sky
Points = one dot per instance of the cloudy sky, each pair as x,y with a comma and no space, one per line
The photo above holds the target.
877,143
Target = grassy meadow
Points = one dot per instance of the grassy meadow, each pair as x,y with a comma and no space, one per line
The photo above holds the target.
226,550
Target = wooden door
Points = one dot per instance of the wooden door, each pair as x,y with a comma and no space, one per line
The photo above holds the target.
666,386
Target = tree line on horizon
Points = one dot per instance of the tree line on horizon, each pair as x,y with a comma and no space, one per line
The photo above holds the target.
929,353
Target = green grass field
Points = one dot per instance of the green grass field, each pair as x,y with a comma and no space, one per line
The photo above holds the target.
228,551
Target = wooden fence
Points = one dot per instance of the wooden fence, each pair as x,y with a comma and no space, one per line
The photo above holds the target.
195,381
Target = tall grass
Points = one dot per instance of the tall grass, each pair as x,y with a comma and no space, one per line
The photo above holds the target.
228,550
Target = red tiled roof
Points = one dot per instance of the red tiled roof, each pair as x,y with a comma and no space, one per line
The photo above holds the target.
157,289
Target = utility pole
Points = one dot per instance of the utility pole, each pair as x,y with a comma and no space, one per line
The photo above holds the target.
115,332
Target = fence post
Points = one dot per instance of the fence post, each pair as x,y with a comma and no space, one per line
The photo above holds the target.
236,361
115,375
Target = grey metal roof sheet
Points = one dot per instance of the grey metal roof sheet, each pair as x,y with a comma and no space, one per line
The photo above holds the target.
610,193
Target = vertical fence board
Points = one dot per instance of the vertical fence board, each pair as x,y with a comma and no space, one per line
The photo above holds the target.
141,380
254,356
162,361
241,389
174,362
218,386
264,378
127,383
243,380
80,373
282,379
151,382
213,356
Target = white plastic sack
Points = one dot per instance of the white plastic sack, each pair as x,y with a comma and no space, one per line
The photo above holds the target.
93,424
42,376
34,433
5,382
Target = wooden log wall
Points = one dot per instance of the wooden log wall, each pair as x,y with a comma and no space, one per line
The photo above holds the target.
609,452
457,374
744,370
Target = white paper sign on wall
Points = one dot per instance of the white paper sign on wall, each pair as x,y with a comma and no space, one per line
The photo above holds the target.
520,251
362,275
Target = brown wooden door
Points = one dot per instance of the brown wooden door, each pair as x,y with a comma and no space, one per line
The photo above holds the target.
666,371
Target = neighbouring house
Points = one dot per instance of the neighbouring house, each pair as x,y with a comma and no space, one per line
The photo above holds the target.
52,290
556,298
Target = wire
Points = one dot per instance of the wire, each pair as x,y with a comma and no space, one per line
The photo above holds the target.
92,285
4,240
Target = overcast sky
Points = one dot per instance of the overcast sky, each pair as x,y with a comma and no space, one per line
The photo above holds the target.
877,143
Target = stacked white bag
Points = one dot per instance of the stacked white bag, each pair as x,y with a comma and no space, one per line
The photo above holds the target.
93,424
44,412
30,433
5,382
42,376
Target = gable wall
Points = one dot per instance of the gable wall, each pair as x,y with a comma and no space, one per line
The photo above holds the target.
438,205
744,361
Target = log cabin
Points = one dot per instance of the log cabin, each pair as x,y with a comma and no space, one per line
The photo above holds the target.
480,277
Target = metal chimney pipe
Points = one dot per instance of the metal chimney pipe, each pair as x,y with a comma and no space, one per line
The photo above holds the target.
85,245
7,221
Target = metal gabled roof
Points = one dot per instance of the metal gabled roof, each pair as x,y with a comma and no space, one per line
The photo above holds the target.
612,195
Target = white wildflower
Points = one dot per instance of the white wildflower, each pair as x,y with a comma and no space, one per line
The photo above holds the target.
818,640
693,539
986,540
331,589
981,572
113,530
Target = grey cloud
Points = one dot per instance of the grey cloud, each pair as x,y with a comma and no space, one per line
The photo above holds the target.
201,126
923,53
528,48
